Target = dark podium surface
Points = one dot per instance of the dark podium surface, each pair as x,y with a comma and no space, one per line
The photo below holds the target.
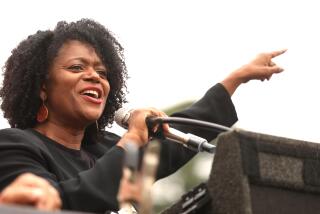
258,173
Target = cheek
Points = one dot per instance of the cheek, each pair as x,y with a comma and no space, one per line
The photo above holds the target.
106,87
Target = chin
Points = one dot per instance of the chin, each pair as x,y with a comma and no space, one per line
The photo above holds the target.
92,118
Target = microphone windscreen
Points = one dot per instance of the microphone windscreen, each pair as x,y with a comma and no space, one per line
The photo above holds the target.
122,116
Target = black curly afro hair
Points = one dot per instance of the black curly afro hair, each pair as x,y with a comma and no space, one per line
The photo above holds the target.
27,69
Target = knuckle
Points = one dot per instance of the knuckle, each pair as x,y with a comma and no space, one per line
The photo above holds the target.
26,175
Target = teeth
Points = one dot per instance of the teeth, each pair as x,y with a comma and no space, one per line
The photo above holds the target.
91,93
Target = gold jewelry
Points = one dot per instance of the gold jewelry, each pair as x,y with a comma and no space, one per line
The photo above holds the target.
97,125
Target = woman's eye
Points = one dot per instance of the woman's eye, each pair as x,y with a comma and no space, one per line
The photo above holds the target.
76,67
103,74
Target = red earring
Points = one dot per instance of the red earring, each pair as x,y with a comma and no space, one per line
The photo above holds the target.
43,113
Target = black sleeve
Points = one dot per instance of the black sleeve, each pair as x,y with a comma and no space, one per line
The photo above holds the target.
215,106
93,190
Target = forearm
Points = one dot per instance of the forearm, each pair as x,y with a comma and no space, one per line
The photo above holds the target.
216,107
129,137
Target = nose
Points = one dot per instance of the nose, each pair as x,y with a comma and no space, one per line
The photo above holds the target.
92,76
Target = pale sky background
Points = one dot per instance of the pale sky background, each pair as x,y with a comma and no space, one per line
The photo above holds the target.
176,50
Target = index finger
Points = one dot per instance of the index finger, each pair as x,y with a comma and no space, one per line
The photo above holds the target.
277,53
165,126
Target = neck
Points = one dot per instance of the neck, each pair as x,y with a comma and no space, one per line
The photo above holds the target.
66,136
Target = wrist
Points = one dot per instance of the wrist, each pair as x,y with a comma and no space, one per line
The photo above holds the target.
232,81
239,76
130,137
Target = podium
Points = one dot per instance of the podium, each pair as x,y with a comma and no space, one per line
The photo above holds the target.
257,173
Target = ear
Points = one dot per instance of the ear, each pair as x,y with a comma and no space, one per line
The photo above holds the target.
43,92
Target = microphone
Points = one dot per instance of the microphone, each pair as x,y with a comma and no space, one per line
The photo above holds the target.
131,160
149,169
130,172
190,141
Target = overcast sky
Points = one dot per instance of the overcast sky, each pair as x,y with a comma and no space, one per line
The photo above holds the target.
176,50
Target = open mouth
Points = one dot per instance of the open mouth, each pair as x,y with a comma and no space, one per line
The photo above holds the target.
92,93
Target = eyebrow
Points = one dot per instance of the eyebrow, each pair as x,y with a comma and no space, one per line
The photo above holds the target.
86,62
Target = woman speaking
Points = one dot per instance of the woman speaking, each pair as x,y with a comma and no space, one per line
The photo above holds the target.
61,88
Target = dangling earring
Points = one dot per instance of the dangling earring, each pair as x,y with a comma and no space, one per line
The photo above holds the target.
97,125
43,113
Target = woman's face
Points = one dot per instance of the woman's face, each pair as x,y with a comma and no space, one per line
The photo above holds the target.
77,87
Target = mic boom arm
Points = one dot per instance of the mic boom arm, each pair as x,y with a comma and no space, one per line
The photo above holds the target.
188,140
